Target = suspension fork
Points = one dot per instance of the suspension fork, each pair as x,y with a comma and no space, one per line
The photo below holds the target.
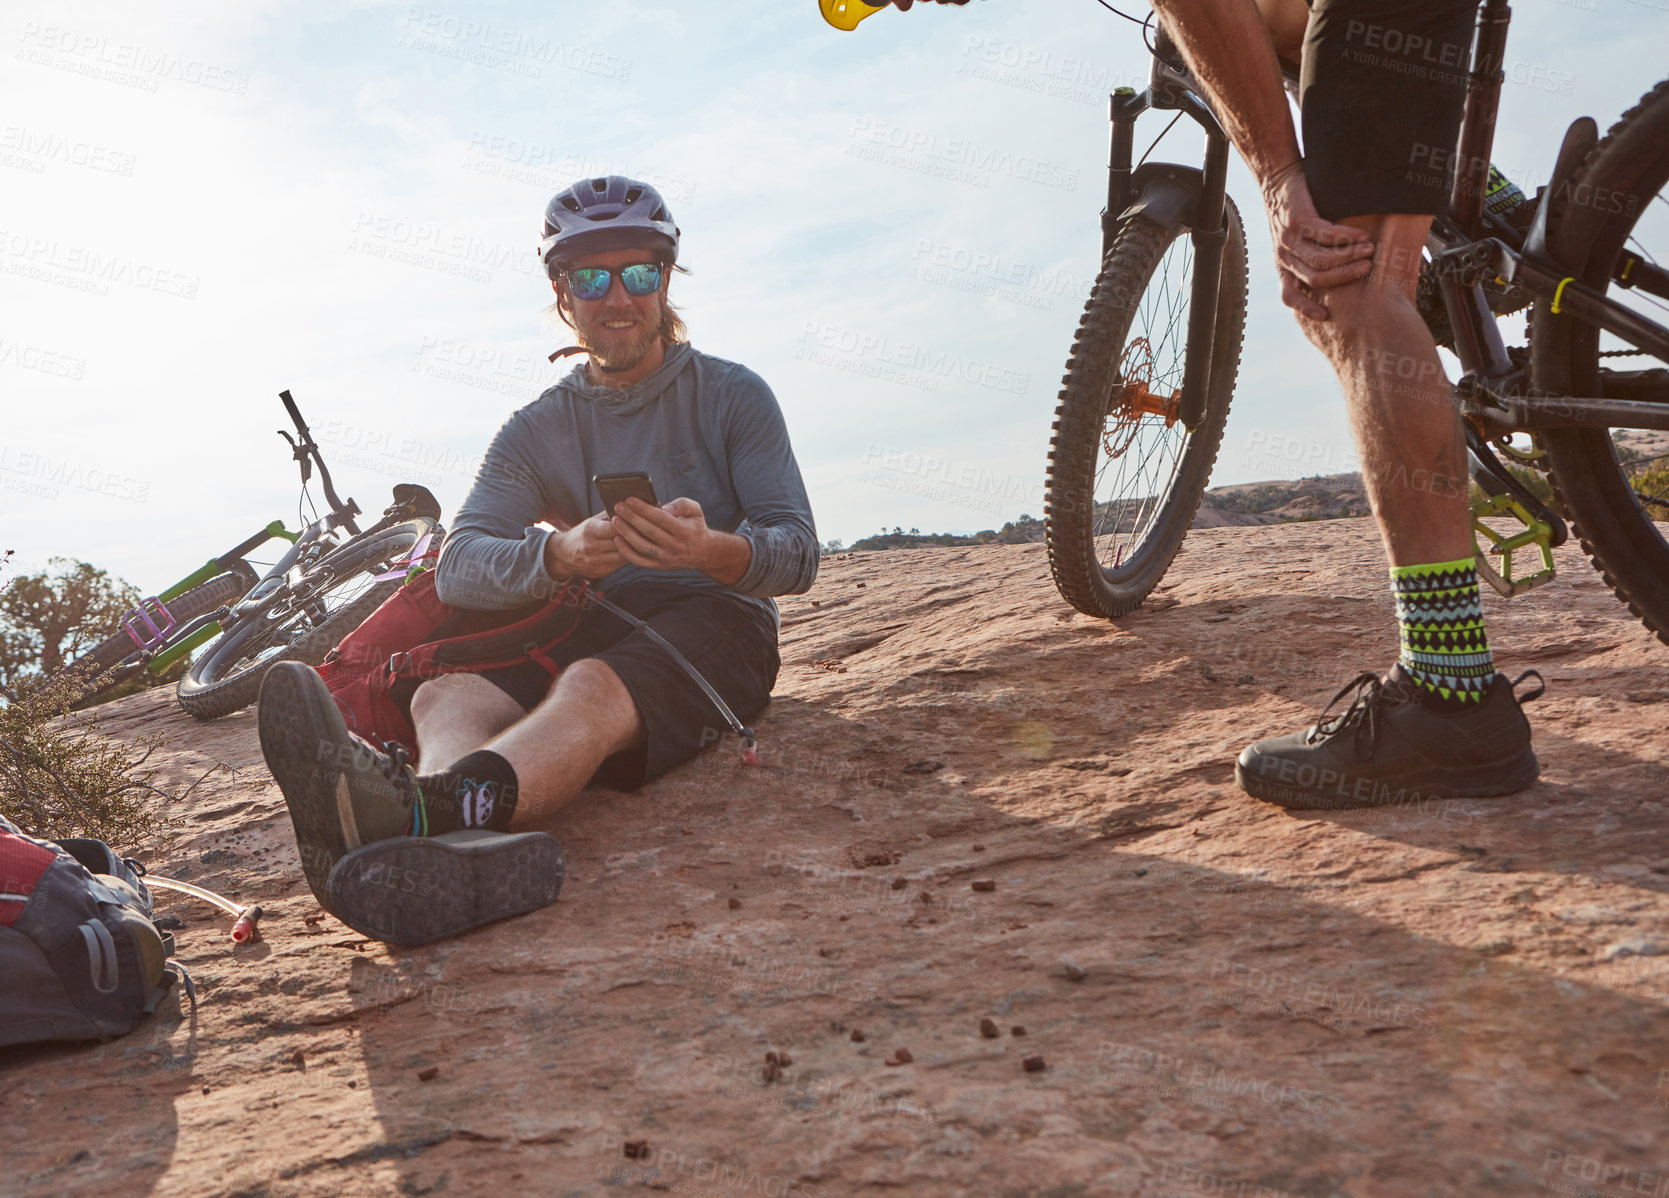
1210,234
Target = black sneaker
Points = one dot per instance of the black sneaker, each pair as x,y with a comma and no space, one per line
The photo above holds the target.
1389,748
413,890
342,792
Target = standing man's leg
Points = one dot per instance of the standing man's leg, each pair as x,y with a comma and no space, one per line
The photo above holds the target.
1408,431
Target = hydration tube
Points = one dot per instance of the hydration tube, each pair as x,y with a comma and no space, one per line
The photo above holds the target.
750,743
244,926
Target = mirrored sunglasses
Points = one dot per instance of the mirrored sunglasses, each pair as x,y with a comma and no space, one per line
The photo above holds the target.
593,282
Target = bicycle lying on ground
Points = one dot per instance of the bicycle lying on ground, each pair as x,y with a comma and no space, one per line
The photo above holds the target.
1153,364
322,587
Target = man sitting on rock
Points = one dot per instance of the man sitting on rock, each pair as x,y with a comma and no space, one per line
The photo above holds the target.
446,845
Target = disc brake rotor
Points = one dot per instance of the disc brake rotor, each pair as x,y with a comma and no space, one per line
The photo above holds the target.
1134,398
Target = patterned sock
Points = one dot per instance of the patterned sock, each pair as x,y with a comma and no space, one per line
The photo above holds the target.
476,791
1444,646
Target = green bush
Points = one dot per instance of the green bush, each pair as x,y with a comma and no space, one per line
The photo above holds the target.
59,777
1653,488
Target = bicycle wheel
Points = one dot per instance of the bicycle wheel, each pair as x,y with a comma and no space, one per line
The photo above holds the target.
1607,480
108,663
1125,477
303,622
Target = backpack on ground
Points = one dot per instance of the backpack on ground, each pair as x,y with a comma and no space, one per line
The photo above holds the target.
414,636
80,958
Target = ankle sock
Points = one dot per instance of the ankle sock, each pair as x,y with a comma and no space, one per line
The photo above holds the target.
476,791
1444,647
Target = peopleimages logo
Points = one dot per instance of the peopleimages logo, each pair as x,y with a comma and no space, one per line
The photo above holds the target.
973,160
146,64
42,147
51,261
828,343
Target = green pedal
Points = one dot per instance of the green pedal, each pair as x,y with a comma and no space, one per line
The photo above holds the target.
1493,544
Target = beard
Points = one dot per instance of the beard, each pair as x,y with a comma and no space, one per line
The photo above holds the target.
617,349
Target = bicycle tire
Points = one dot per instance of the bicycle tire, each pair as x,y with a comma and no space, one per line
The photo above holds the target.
226,676
1073,519
1615,530
96,671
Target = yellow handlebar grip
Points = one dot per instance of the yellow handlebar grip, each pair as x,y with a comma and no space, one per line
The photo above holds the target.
845,14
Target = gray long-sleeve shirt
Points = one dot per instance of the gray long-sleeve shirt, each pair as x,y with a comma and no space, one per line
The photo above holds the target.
700,427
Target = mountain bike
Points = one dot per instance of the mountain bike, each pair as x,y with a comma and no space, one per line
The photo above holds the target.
1153,364
323,586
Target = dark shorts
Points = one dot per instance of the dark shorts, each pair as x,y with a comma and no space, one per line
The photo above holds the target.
1383,90
733,645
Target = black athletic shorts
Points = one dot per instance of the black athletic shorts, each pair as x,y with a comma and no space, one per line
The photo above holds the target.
732,644
1383,90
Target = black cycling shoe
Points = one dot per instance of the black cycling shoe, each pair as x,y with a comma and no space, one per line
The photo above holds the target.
1389,748
341,791
413,890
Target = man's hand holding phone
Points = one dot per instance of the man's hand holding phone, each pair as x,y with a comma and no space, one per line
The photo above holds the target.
675,536
589,549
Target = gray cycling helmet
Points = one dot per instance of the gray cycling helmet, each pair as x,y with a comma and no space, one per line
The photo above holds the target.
607,213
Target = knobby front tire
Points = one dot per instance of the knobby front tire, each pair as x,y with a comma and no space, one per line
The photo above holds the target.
1123,484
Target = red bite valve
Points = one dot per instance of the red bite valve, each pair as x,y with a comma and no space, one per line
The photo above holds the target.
244,929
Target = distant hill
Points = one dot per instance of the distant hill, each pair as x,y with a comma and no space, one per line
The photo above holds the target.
1279,501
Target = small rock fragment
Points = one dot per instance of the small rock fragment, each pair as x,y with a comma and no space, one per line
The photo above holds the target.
985,884
1632,948
899,883
735,903
1017,1030
1142,872
1074,972
352,1085
863,584
636,1150
989,1029
426,1074
817,603
857,1036
1035,1064
924,767
900,1056
169,923
298,1057
979,848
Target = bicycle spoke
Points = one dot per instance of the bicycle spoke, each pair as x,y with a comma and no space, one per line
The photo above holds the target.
1142,456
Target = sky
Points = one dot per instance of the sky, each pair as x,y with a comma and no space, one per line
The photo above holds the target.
203,205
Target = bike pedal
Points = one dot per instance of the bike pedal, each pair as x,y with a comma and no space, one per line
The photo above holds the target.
1536,533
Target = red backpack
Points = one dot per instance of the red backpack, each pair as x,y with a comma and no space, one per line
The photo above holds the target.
414,636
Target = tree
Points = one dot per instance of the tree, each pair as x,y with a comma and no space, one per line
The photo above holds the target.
47,619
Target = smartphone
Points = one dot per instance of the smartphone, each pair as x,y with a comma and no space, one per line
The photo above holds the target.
615,487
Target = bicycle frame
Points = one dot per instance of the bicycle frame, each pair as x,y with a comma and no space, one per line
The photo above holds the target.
1492,392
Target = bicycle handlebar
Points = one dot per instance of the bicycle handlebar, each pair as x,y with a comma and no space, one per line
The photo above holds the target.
345,512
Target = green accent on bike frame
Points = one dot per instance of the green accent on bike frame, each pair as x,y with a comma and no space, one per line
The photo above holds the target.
210,569
173,653
1535,533
277,529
